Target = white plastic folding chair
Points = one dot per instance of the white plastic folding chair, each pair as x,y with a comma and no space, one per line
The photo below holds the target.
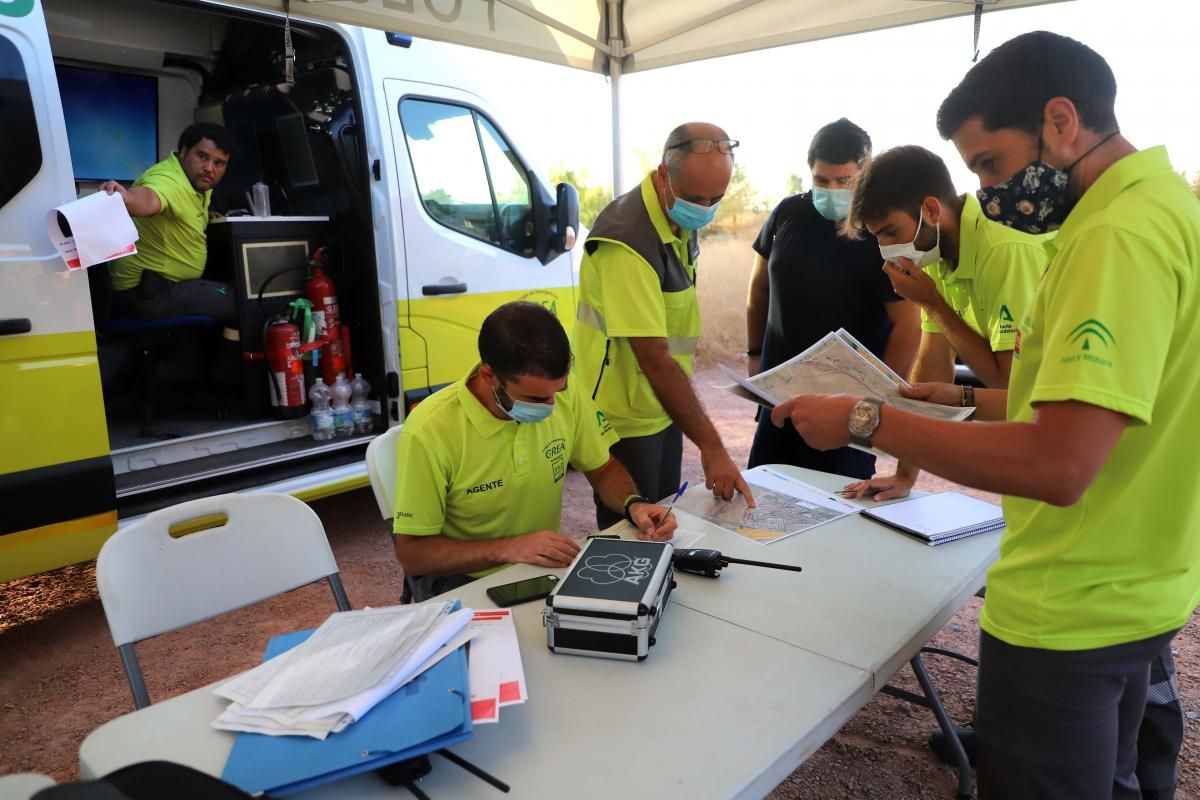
381,471
193,561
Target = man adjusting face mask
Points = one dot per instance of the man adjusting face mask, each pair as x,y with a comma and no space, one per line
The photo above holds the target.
920,258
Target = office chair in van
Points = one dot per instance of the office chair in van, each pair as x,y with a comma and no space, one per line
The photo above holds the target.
149,338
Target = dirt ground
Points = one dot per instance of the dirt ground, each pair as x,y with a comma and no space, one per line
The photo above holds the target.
61,677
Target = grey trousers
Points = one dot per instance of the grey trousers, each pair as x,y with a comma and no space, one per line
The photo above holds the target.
653,461
157,297
1062,724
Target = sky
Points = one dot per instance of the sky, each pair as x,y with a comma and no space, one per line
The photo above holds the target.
890,82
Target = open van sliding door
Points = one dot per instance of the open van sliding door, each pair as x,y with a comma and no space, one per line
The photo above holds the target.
468,204
57,497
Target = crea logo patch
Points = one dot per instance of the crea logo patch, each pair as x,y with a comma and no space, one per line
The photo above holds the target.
602,422
556,454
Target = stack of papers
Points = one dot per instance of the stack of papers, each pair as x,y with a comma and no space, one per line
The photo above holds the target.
838,364
494,669
346,667
100,230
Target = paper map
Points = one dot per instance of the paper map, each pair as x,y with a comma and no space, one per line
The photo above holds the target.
837,364
784,507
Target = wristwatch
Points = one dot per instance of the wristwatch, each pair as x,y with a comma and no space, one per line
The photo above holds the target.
864,420
630,501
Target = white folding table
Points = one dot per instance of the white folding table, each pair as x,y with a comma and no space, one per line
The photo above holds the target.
751,673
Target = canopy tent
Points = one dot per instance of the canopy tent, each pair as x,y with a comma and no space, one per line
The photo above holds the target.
616,37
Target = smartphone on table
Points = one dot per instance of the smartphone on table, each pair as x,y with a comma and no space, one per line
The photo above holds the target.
510,594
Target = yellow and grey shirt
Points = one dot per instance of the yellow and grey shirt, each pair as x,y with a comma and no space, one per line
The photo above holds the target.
637,279
463,473
173,242
998,270
1114,323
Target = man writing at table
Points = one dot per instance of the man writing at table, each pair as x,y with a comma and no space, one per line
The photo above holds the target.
1100,563
480,464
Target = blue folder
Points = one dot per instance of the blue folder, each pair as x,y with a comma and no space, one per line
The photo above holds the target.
428,713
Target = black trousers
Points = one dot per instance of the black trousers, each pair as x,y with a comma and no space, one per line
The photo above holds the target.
419,588
1063,724
784,446
157,297
654,461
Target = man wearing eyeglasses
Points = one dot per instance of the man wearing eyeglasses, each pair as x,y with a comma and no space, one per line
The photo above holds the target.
639,320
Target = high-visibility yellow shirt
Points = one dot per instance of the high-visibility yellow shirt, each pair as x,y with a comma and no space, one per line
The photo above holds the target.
998,269
1115,323
174,241
622,297
464,474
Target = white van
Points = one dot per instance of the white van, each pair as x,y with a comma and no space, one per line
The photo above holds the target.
428,212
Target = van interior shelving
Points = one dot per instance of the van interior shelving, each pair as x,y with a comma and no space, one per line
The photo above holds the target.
166,65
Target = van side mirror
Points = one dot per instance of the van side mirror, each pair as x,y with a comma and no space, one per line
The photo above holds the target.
566,212
555,221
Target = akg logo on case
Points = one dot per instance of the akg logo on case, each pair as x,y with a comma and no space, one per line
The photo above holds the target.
15,8
615,568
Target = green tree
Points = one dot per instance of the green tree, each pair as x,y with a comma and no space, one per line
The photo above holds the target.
795,185
592,197
741,200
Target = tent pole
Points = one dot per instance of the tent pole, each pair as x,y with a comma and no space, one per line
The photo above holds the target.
616,46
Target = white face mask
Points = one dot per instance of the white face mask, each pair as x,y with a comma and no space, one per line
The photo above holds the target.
920,258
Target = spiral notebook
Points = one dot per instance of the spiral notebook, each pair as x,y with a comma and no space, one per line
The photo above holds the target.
939,518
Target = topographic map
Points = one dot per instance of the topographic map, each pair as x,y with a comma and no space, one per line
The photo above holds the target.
784,506
838,364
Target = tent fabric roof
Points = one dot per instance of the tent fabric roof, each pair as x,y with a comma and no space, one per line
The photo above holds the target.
653,33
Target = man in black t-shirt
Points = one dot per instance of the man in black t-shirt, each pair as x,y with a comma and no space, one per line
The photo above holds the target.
808,280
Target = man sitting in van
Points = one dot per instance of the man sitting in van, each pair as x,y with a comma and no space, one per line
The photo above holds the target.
480,464
169,204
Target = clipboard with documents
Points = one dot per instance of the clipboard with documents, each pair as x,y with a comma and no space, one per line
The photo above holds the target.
426,714
939,518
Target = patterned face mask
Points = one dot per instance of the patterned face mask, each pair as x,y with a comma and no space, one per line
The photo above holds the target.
1035,199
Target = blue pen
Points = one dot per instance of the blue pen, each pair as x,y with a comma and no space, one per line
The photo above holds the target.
671,507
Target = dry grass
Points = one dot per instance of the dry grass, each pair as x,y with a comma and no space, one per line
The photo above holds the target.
722,281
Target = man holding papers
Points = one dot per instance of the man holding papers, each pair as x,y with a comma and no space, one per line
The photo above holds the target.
480,464
971,276
1100,563
169,204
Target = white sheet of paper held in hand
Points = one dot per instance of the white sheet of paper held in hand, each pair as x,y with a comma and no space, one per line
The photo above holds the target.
101,230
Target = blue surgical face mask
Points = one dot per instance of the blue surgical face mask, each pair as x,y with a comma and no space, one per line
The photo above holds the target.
687,215
522,410
832,204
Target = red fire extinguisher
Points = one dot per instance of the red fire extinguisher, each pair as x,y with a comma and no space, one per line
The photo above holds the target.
285,369
322,293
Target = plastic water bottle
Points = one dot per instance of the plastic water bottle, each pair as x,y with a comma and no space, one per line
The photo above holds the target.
343,417
322,415
360,406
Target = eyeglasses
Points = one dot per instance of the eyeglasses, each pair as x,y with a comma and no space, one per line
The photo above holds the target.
706,145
